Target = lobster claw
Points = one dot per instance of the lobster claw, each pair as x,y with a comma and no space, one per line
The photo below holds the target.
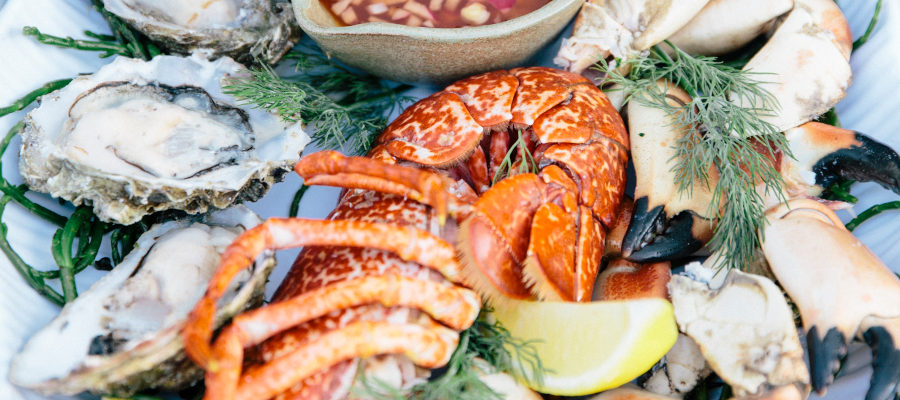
868,304
832,153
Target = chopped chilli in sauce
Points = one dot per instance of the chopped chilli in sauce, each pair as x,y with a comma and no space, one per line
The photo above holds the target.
431,13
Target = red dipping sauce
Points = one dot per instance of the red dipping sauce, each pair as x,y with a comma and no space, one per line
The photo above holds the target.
430,13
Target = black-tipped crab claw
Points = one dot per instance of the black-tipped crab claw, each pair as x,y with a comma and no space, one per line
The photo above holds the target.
832,153
666,224
669,224
843,291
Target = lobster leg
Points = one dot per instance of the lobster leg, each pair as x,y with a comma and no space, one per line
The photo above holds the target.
334,169
429,345
498,148
407,242
477,167
453,306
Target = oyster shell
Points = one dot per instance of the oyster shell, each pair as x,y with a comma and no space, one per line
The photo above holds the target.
123,334
240,29
138,137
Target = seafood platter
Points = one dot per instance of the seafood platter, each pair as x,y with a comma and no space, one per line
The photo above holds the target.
689,199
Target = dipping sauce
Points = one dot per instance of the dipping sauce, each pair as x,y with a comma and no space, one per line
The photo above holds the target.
431,13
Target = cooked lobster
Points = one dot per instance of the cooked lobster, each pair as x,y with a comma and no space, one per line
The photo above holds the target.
383,277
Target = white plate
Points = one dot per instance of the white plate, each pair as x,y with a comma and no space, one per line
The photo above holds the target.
871,106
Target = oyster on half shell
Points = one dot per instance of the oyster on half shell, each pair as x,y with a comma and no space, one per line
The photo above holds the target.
123,334
240,29
138,137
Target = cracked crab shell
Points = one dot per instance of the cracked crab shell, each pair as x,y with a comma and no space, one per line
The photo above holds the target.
123,334
240,29
139,137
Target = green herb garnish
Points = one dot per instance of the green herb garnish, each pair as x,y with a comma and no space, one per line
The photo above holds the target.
32,96
840,191
871,212
732,138
830,117
295,202
124,41
526,163
345,110
108,48
872,23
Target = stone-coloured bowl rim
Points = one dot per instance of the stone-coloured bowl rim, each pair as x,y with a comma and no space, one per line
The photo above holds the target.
447,35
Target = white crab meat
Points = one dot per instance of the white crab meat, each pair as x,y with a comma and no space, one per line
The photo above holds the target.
503,384
744,328
682,368
621,29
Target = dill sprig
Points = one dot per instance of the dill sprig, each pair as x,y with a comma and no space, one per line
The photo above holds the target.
486,339
328,76
345,110
496,345
726,134
511,165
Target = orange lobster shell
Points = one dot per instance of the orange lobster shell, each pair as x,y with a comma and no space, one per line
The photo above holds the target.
382,276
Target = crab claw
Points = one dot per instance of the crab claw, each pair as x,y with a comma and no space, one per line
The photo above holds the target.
854,294
883,336
670,223
655,237
666,224
805,64
831,153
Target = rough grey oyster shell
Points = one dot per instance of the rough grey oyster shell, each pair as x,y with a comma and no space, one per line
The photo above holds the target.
138,137
240,29
123,335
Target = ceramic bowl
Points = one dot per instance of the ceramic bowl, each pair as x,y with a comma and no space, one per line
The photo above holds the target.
417,54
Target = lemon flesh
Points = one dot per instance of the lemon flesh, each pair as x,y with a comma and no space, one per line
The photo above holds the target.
590,347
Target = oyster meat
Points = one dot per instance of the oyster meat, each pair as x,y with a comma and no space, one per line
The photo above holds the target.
138,137
123,334
241,29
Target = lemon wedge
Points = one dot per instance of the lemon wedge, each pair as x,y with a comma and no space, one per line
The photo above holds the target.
590,347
